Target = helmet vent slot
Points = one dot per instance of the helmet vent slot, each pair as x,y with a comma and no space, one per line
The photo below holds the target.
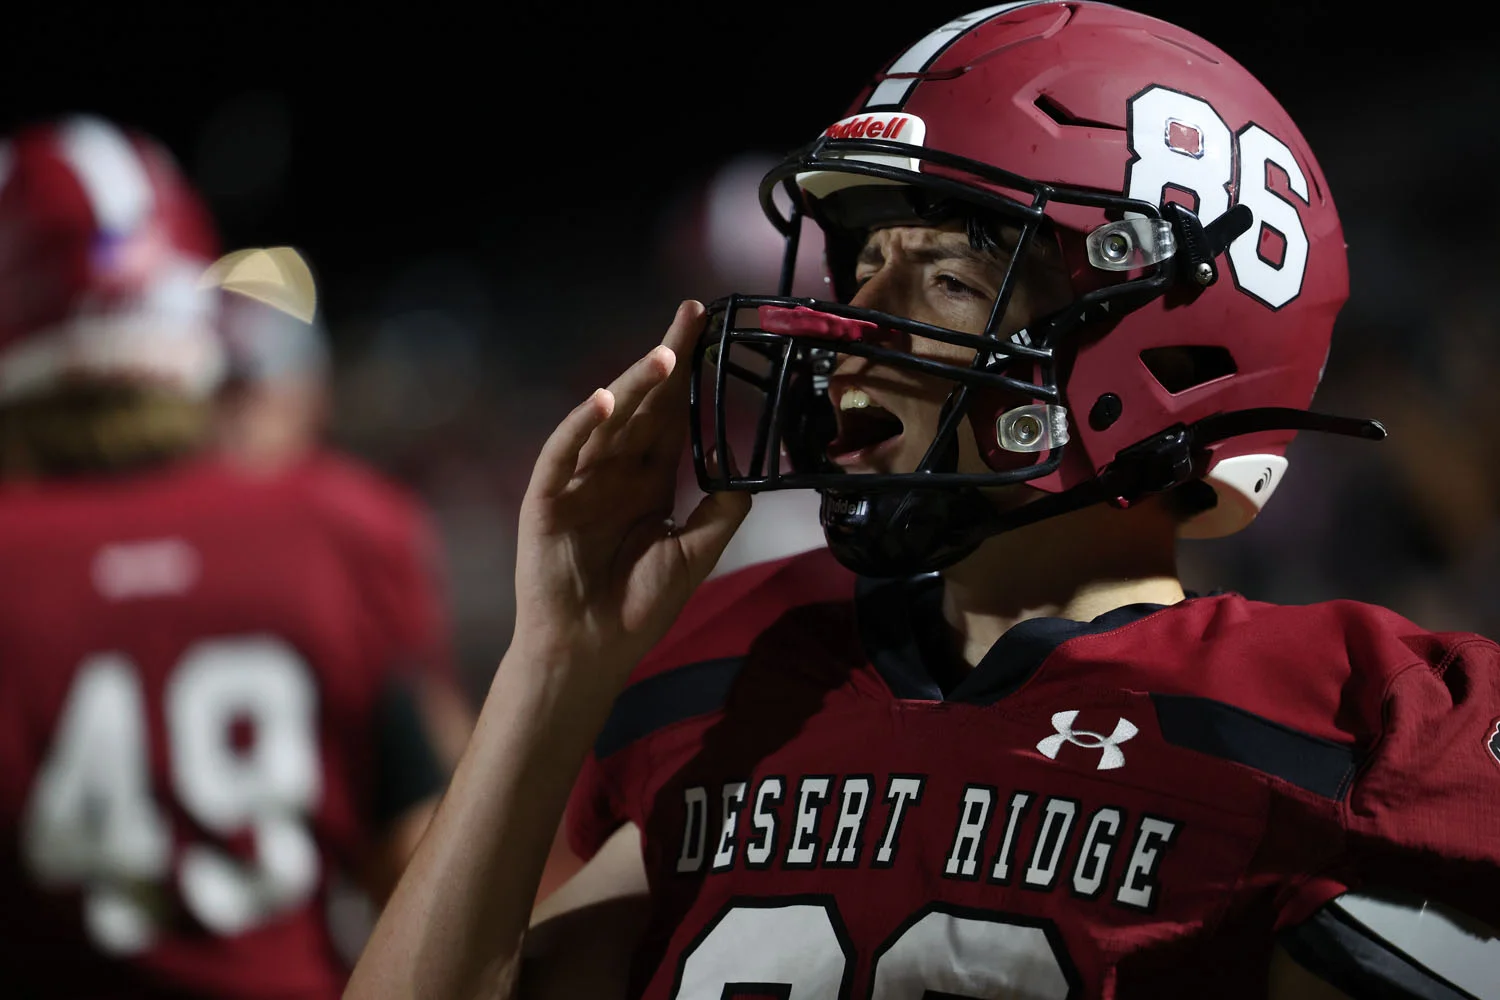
1048,106
1185,367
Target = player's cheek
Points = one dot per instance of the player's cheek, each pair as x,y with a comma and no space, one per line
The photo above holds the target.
969,458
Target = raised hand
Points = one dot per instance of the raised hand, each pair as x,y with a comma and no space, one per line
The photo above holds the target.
601,570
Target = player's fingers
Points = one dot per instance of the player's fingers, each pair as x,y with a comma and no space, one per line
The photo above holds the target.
708,531
686,327
711,525
637,382
558,459
681,337
657,430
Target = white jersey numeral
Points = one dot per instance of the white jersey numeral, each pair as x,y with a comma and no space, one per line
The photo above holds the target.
92,819
792,951
1180,142
800,950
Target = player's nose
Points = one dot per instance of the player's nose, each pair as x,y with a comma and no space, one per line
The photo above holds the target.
887,291
882,291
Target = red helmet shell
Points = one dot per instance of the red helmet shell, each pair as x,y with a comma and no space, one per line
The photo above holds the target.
1092,96
102,245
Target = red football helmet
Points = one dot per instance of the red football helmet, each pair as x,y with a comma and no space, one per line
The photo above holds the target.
1192,219
102,243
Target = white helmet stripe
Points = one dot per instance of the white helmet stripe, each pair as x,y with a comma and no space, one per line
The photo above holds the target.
110,170
891,93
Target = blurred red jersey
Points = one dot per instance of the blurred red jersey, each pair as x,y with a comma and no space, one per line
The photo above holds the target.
193,669
1132,807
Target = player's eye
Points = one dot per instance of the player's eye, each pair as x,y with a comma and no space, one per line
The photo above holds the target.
955,287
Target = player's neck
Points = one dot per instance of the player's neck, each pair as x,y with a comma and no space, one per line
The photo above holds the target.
1078,566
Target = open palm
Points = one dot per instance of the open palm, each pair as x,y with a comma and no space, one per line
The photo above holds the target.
600,572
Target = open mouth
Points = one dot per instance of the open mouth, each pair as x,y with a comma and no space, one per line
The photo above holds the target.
864,427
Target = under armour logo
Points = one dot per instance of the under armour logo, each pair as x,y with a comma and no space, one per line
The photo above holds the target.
1112,755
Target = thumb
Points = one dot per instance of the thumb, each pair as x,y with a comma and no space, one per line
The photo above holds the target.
709,528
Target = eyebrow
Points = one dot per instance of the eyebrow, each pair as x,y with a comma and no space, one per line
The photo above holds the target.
872,255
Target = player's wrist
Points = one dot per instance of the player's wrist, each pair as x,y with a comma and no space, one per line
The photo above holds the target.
566,671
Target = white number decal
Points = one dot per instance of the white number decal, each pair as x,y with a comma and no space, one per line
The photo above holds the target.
797,951
1274,284
796,954
1178,141
92,819
977,956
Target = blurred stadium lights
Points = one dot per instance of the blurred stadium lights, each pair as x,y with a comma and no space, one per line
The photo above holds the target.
716,240
429,342
745,248
420,369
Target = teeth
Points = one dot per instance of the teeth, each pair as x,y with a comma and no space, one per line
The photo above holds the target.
854,399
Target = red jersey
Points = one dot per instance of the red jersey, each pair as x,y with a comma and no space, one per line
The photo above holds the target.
1132,807
193,669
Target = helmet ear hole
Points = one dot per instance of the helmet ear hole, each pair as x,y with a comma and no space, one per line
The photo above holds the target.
1242,484
1178,369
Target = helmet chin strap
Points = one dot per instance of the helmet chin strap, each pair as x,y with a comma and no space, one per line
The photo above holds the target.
904,533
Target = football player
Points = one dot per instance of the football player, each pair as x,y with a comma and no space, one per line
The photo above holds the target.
271,410
273,403
206,690
1082,272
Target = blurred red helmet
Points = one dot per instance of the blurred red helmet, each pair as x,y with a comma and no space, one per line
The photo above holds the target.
1205,256
102,243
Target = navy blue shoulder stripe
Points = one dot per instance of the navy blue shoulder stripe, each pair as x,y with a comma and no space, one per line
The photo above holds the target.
1220,730
657,702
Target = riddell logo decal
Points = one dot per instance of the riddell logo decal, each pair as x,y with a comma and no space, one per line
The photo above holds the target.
883,126
889,125
1494,741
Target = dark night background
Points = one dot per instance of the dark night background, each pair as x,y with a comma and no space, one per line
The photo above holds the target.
513,133
498,201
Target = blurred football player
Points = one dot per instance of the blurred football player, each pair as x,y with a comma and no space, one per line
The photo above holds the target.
273,404
206,701
1083,273
271,409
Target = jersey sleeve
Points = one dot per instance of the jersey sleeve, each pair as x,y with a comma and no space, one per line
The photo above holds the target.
408,762
1423,816
610,790
393,555
659,718
596,808
418,733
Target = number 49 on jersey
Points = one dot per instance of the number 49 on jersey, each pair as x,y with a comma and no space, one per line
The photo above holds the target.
92,820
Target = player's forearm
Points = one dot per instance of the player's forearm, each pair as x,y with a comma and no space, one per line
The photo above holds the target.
455,924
